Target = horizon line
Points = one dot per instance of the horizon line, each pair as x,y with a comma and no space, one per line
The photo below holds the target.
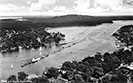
64,15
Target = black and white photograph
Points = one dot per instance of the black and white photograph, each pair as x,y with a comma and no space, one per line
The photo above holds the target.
66,41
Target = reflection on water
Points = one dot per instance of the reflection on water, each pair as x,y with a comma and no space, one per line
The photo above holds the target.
17,58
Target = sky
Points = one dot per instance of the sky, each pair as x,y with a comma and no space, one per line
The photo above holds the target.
63,7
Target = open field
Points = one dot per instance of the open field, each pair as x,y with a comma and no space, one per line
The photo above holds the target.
81,42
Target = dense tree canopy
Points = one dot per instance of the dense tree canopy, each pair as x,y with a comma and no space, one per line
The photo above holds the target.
125,35
11,40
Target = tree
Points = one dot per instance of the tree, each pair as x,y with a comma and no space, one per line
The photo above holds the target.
124,34
98,56
22,76
128,57
11,79
40,80
52,72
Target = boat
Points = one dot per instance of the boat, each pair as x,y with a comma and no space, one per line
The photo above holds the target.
11,66
32,61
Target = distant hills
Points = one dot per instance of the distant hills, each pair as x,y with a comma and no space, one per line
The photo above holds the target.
70,20
58,21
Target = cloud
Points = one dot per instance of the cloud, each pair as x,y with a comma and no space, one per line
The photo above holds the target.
85,5
69,4
35,6
42,4
12,10
114,6
108,4
82,5
8,7
56,7
19,3
60,8
102,7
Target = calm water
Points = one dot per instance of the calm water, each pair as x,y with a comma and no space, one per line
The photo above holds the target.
17,58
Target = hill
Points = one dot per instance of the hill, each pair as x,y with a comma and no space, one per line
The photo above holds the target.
27,22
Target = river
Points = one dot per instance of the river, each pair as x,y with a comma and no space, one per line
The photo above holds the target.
17,58
94,38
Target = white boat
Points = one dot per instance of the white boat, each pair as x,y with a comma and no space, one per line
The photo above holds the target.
11,66
33,60
40,49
